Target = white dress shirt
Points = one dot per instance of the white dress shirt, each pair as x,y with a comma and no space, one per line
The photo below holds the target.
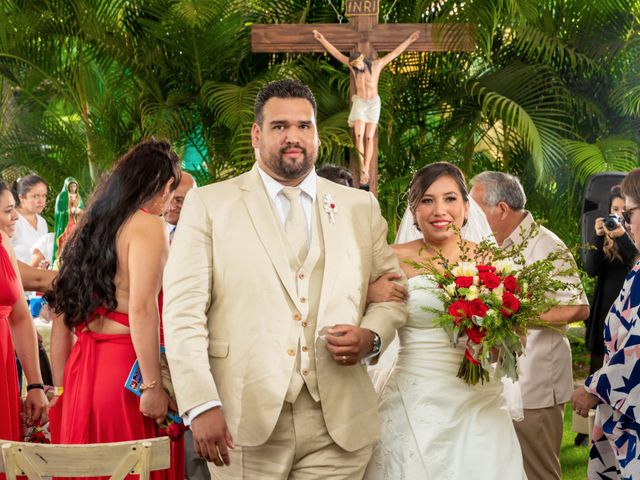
26,237
45,247
281,205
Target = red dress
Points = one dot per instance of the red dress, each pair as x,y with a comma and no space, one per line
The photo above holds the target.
95,406
10,425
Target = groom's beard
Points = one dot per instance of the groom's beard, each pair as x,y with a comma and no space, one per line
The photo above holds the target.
292,171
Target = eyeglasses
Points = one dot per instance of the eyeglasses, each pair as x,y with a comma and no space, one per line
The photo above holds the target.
627,212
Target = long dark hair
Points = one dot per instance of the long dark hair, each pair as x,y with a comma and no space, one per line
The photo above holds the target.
610,247
89,259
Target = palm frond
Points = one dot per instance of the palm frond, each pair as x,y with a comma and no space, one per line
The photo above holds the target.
608,154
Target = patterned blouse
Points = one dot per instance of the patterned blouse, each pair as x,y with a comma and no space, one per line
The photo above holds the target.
615,449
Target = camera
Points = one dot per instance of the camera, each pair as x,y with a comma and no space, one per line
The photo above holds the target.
611,222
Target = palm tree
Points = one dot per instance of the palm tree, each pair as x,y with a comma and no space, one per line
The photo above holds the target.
550,93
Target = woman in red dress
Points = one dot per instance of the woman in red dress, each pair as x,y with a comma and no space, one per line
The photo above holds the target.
17,335
107,291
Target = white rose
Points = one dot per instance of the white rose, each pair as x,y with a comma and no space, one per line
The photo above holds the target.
499,290
473,293
450,289
464,269
505,266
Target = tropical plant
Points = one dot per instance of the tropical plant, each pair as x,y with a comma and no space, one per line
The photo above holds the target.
550,94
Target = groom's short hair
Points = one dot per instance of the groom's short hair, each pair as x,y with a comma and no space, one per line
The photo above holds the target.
501,187
282,89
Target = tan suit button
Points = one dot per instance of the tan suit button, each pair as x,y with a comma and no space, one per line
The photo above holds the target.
305,324
303,299
297,317
305,348
301,275
305,372
291,352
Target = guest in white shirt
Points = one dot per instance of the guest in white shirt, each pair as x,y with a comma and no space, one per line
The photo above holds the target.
31,198
42,252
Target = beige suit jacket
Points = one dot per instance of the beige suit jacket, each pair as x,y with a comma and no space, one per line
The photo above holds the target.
230,307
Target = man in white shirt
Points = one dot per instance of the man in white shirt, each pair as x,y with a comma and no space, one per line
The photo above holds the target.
546,376
265,314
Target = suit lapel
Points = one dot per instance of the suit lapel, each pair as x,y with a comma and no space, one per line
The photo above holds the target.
265,222
332,257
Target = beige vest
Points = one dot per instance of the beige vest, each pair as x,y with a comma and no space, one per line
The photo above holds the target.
308,280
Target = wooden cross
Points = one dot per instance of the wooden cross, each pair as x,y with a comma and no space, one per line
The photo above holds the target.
363,33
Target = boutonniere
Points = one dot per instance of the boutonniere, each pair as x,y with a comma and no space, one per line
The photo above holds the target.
329,207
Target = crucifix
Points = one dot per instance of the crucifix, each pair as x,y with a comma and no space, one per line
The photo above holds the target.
363,34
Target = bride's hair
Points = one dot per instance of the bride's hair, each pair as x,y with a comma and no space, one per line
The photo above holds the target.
425,177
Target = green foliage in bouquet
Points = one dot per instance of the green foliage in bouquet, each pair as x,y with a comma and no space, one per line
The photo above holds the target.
493,296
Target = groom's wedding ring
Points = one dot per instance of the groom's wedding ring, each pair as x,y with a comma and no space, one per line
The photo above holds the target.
344,359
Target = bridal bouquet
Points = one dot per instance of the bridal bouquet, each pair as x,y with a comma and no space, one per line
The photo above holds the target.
492,296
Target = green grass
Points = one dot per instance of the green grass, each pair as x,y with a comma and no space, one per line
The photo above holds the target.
573,459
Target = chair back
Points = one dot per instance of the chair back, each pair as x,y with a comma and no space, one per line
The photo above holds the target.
116,460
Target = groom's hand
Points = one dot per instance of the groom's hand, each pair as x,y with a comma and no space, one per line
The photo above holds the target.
347,344
211,437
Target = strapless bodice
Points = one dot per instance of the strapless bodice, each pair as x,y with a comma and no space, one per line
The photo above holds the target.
425,347
423,300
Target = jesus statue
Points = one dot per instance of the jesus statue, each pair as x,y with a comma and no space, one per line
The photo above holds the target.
365,109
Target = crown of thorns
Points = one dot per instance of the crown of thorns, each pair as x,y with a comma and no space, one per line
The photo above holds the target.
359,59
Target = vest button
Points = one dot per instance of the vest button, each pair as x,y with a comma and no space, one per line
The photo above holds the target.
305,324
305,348
291,352
303,299
297,317
301,275
305,372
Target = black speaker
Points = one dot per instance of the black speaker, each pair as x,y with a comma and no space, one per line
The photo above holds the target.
596,203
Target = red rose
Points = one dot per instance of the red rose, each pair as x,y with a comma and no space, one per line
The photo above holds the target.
475,334
478,308
489,280
510,304
511,284
459,309
464,282
486,268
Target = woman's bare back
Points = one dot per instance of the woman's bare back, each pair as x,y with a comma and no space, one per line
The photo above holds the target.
141,227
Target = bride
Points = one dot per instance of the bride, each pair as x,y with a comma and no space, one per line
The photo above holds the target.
434,425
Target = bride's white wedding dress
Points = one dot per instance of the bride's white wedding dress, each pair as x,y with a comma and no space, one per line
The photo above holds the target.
433,425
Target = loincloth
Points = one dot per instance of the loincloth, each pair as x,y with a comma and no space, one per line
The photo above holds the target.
366,110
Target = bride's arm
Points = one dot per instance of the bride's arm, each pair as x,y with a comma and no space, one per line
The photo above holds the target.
385,289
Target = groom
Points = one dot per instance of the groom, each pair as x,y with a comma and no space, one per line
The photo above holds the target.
266,325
